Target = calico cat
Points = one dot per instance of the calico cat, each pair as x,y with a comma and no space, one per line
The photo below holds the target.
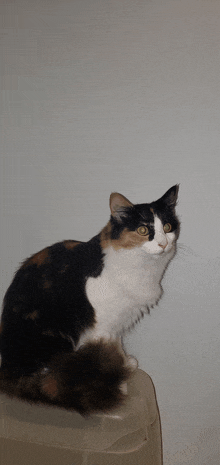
69,304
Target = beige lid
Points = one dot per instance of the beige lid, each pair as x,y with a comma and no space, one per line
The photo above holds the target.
56,427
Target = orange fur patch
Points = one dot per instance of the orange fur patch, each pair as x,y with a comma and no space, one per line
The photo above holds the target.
38,259
105,238
128,240
49,387
70,244
32,316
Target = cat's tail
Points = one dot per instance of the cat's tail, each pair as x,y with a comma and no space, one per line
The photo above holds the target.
89,380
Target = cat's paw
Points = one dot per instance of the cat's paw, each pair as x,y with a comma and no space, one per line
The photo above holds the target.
131,362
124,388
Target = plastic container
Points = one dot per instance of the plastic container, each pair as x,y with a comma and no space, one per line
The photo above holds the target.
39,435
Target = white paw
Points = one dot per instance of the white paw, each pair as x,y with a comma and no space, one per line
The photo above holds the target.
131,362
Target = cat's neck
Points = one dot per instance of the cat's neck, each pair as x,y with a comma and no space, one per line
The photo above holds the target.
127,287
135,272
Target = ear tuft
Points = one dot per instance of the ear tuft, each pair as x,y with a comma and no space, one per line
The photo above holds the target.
118,205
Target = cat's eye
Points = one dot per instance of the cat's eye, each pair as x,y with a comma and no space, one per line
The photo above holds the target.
167,228
143,230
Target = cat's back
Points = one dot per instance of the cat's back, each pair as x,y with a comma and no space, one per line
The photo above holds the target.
58,252
63,257
43,268
51,279
39,278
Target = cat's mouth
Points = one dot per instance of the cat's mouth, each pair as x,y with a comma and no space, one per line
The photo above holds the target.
158,251
164,250
161,252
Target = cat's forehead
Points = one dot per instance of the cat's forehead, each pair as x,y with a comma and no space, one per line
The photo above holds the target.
148,211
143,211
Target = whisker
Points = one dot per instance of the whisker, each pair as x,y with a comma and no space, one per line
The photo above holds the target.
185,251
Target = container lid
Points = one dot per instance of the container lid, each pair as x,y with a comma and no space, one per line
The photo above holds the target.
57,427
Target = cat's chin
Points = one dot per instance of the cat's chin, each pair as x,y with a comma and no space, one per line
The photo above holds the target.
157,253
156,250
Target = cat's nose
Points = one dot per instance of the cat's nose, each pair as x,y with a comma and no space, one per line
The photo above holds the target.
163,246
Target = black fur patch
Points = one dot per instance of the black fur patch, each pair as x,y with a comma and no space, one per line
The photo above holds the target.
47,295
164,208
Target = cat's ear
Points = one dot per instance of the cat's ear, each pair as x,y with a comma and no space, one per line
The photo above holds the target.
170,197
118,205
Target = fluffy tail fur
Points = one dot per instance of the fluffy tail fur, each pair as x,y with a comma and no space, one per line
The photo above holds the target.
88,381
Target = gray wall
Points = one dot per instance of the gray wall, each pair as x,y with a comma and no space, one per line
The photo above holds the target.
123,95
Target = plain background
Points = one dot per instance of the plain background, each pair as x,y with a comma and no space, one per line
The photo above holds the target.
123,95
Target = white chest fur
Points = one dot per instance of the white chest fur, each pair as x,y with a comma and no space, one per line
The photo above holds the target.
127,286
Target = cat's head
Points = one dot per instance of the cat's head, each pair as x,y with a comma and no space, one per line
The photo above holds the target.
152,226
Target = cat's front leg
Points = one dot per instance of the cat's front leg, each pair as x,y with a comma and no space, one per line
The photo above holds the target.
131,361
96,334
